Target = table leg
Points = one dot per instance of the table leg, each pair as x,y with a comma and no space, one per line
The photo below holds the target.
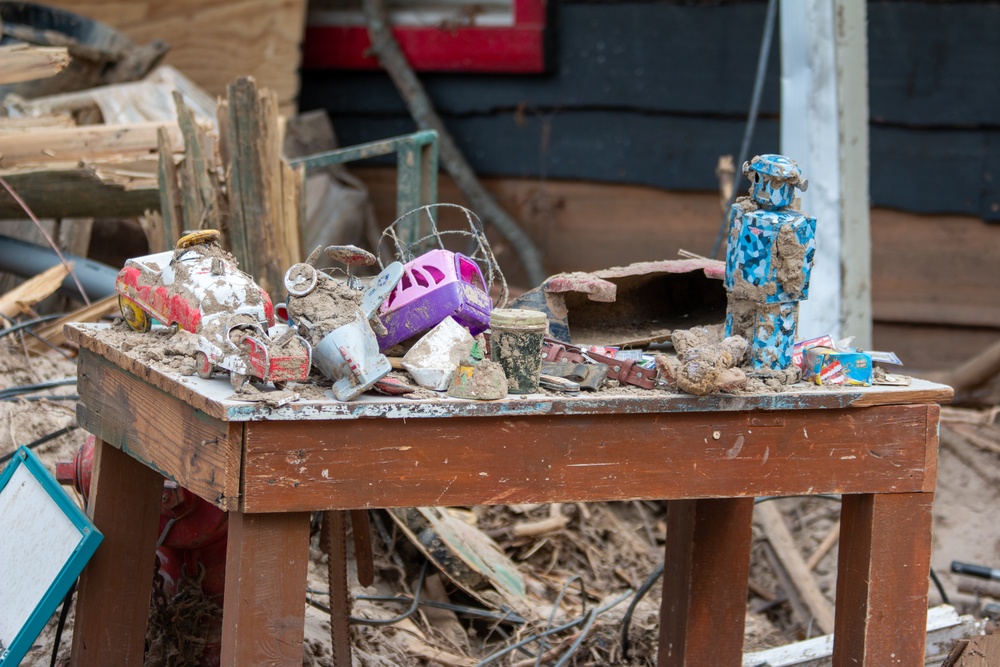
705,582
883,563
112,604
267,560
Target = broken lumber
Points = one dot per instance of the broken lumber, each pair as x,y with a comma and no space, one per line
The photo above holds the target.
21,62
33,290
88,143
264,221
824,547
788,554
944,627
52,332
975,372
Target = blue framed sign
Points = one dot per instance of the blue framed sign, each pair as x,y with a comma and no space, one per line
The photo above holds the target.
45,541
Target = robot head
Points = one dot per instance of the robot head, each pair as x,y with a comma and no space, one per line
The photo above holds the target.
773,179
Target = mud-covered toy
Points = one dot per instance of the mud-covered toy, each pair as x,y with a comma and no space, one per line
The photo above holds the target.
197,287
768,263
339,318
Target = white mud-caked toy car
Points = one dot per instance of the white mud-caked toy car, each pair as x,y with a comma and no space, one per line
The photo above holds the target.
198,288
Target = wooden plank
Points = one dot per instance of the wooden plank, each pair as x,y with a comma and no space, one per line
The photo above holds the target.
851,44
132,366
102,189
293,466
33,290
939,270
21,62
214,41
706,568
53,332
933,348
151,426
788,553
267,559
86,142
882,571
112,602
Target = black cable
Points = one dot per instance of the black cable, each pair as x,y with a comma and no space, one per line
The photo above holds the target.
544,645
507,615
48,397
565,626
575,646
67,601
27,323
41,441
639,594
28,388
758,89
940,588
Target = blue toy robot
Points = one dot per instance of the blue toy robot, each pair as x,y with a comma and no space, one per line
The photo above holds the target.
768,262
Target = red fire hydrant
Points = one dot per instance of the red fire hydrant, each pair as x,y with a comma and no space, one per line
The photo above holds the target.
192,541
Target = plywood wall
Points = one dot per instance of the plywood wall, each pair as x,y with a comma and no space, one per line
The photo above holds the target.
215,41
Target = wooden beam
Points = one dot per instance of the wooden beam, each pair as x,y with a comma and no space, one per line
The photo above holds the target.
35,289
882,577
267,559
85,142
148,424
791,559
112,603
21,62
53,332
705,582
588,458
851,38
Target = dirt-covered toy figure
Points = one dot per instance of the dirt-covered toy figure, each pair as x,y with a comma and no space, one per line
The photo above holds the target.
768,262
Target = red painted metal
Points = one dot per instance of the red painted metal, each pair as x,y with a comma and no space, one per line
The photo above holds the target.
519,48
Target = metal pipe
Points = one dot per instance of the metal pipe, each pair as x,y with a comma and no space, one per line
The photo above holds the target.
27,260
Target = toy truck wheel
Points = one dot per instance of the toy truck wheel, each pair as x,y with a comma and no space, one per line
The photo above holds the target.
238,380
203,366
280,384
135,317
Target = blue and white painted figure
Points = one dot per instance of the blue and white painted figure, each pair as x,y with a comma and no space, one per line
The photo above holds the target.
768,262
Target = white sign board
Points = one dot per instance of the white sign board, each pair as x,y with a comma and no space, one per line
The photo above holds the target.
45,540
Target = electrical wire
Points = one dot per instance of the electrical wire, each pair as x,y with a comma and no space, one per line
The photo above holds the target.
565,626
67,602
940,588
27,323
544,645
41,441
28,388
639,594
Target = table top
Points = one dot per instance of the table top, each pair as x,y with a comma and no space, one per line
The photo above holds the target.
216,398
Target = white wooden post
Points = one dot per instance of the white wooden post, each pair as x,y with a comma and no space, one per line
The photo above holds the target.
824,127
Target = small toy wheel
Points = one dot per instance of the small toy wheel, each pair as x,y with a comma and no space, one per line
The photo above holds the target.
202,366
198,238
280,384
238,380
135,317
300,279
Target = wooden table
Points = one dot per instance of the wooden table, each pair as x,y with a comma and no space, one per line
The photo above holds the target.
710,456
